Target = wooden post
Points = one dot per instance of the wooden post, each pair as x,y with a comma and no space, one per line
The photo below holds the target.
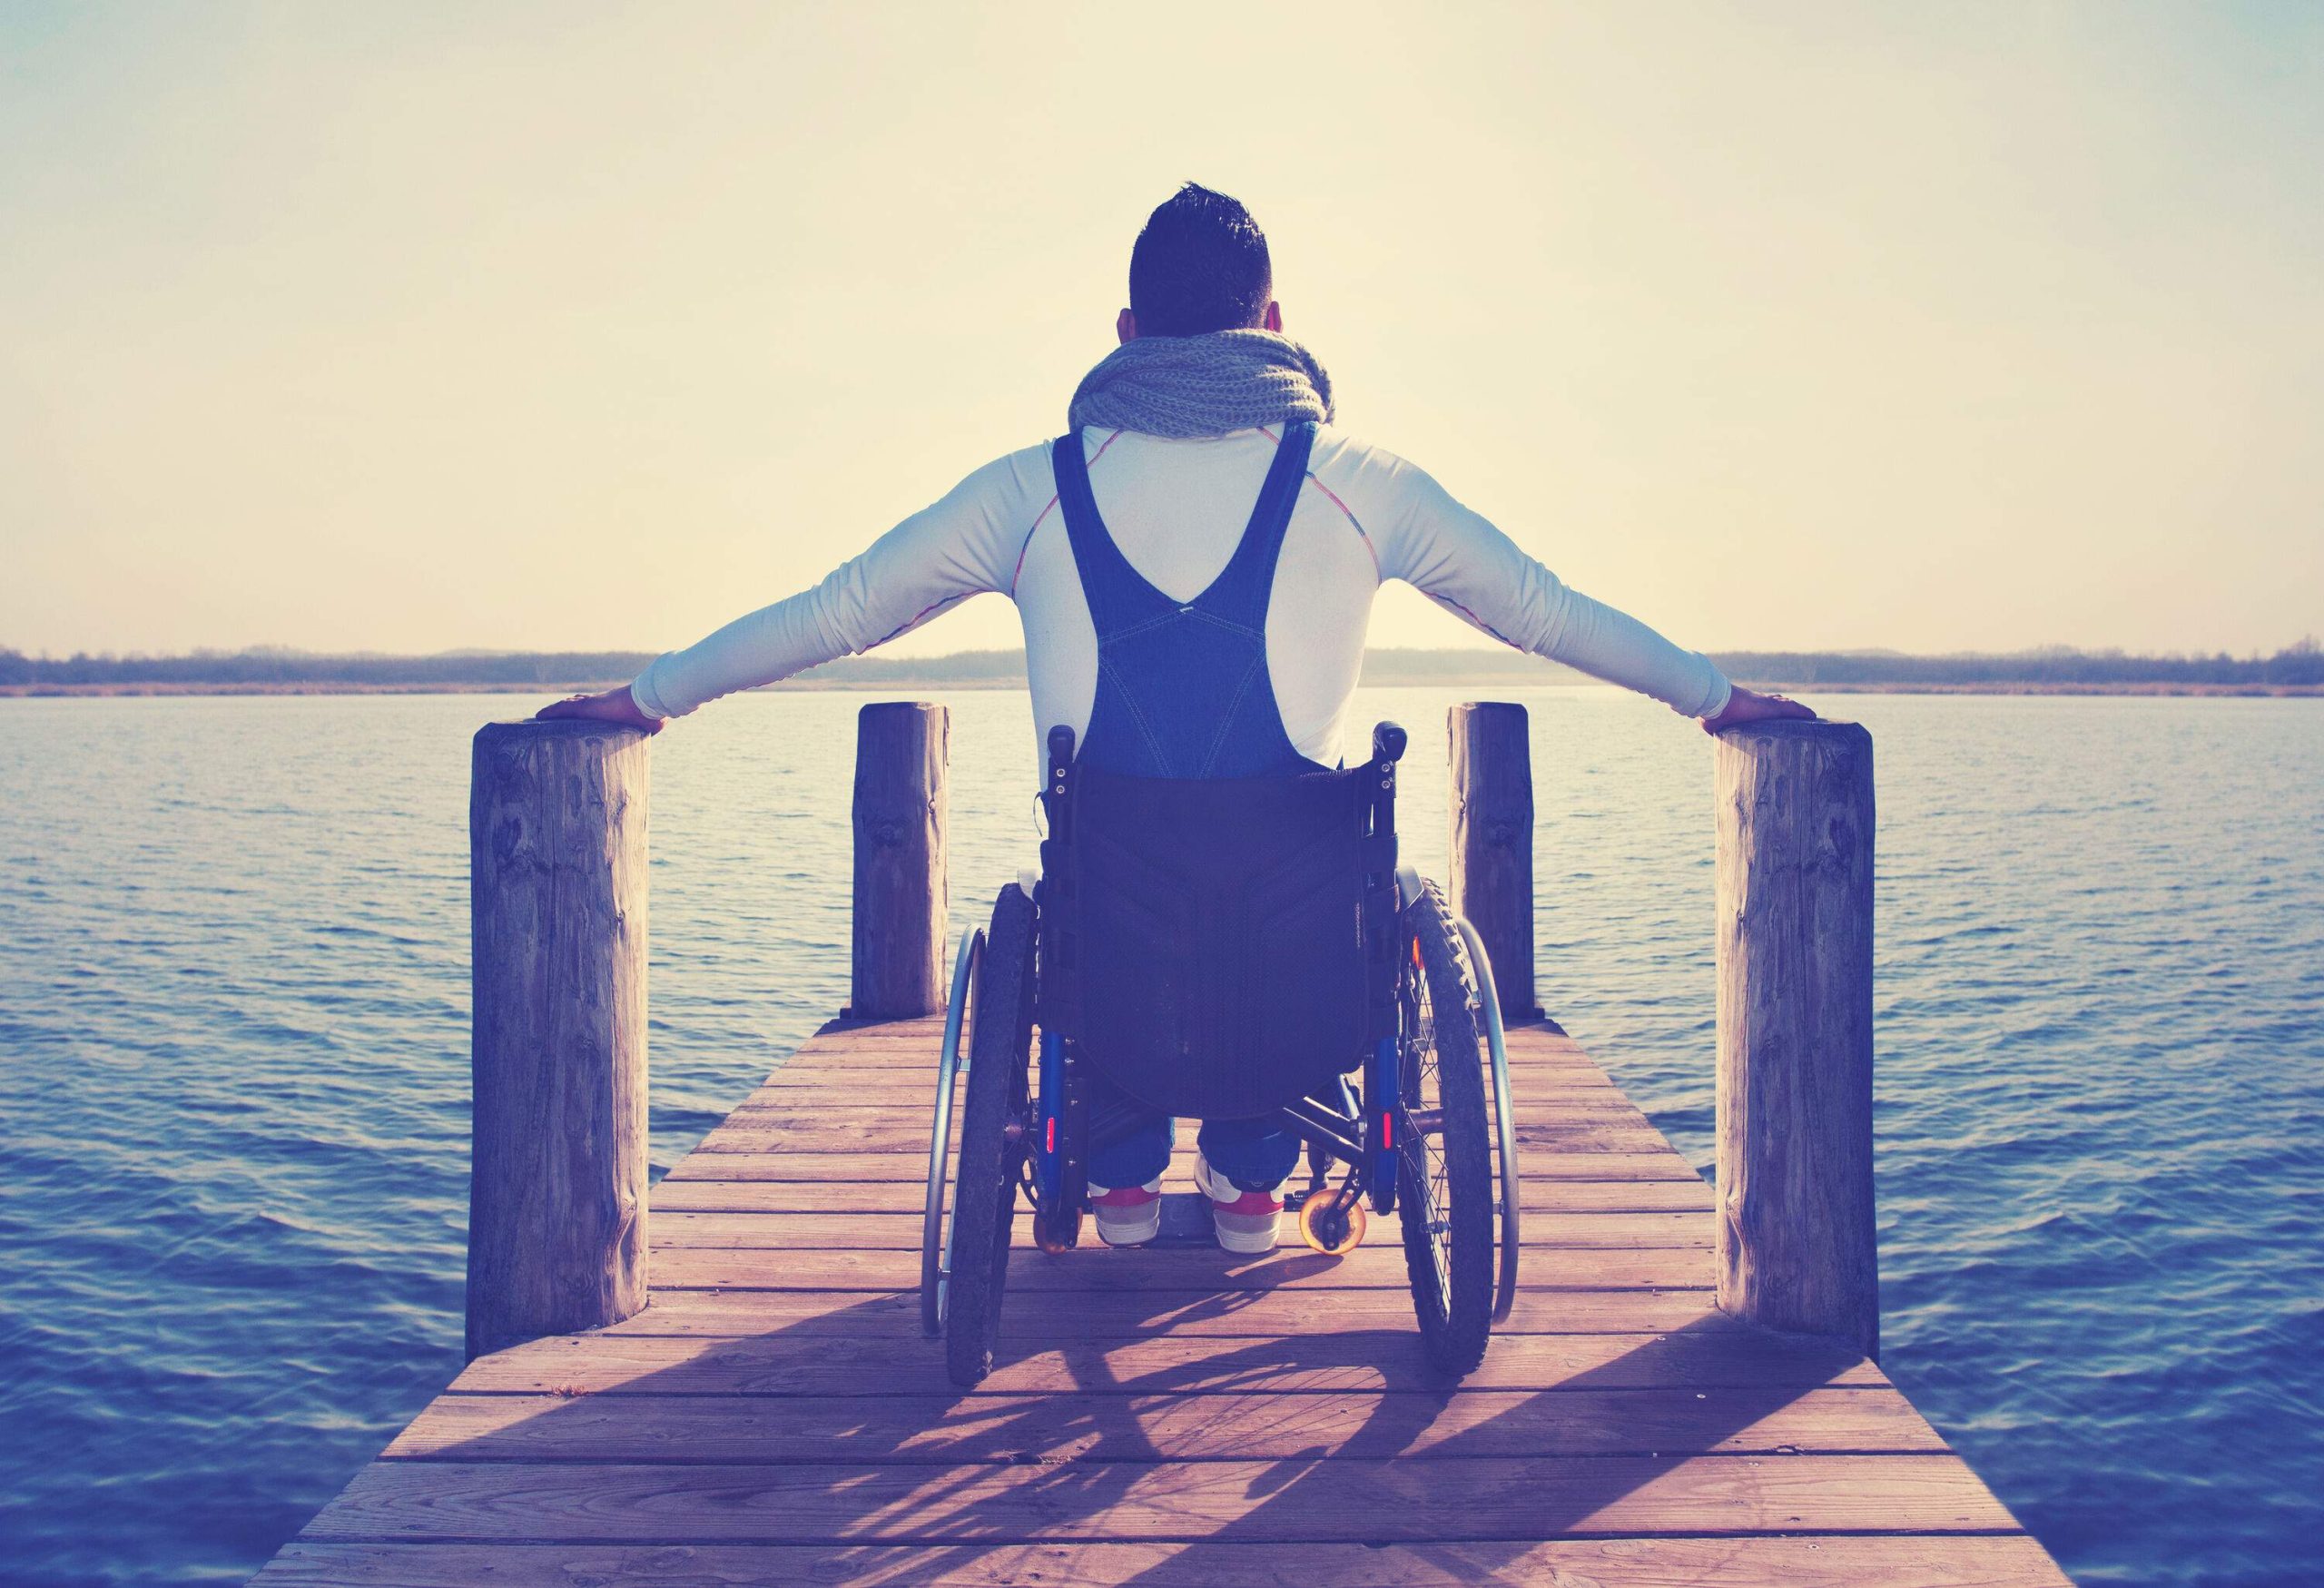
1797,1245
900,897
556,1190
1492,842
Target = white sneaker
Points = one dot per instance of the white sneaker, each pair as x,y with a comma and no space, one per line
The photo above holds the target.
1248,1222
1128,1215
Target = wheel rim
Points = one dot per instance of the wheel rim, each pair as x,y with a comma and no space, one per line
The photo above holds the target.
967,1046
1510,1185
952,1063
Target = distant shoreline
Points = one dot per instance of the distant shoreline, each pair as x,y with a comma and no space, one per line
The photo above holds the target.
2295,670
942,686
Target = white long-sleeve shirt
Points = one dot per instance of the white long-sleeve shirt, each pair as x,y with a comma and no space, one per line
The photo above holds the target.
1176,508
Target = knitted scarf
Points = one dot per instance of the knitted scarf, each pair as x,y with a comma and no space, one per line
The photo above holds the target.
1187,385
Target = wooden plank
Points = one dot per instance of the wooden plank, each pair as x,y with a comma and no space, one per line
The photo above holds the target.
841,1087
1525,1040
1524,1035
1354,1361
1482,1498
904,1039
898,1133
910,1162
878,1132
1829,1561
862,1106
1582,1082
949,1430
1158,1270
675,1231
920,1042
1548,1199
1528,1043
923,1036
1114,1314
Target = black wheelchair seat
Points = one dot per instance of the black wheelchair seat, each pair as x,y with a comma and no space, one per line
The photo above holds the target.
1215,949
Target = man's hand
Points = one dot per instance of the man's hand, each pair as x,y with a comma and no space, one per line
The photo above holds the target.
1749,706
615,705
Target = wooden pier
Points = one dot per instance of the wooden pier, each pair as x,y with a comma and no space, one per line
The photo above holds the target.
1170,1415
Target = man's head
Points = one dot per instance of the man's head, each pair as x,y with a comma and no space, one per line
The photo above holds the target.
1200,265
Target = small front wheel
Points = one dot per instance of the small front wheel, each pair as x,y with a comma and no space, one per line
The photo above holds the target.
1331,1222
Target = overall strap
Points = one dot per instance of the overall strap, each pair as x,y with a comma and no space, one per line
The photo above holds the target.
1117,594
1241,592
1182,686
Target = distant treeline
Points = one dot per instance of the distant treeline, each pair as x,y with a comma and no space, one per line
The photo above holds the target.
284,669
260,668
2296,667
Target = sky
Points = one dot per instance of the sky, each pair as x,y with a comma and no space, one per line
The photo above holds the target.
413,327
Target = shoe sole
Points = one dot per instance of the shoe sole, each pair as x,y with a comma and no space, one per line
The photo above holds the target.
1247,1242
1121,1232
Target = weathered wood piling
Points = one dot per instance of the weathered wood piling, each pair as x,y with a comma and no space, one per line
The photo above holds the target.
902,804
1794,1170
1491,809
556,1190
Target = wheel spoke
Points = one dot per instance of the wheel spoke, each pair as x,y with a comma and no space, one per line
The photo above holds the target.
1422,1125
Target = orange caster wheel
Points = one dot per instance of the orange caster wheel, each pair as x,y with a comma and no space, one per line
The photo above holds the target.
1330,1222
1054,1243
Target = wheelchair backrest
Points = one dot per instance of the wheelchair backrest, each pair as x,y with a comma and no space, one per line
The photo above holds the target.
1219,948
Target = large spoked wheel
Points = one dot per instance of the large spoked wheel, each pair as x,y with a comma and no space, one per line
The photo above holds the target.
1509,1183
935,1230
996,1132
1445,1189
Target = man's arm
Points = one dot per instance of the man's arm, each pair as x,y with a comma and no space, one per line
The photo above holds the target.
1459,559
962,546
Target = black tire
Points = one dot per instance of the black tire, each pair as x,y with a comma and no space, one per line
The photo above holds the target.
984,1189
935,1225
1445,1176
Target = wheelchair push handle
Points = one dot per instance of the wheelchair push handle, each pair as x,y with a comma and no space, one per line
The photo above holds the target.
1061,768
1388,743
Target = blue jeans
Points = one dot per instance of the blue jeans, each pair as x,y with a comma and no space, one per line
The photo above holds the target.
1257,1155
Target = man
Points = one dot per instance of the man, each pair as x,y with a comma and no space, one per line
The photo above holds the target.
1179,629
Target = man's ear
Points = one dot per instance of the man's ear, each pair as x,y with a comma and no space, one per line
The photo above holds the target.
1271,319
1125,326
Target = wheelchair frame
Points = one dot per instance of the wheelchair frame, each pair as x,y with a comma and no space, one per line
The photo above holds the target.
1439,1005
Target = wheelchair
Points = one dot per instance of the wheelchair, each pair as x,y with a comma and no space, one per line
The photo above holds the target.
1226,949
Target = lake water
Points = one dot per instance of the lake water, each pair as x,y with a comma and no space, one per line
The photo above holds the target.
233,1073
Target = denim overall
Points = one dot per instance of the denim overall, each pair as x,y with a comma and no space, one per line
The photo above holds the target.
1183,691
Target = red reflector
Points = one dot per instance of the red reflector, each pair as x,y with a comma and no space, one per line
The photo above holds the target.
1053,1146
1387,1131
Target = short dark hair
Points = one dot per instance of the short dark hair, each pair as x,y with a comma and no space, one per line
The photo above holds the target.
1200,265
